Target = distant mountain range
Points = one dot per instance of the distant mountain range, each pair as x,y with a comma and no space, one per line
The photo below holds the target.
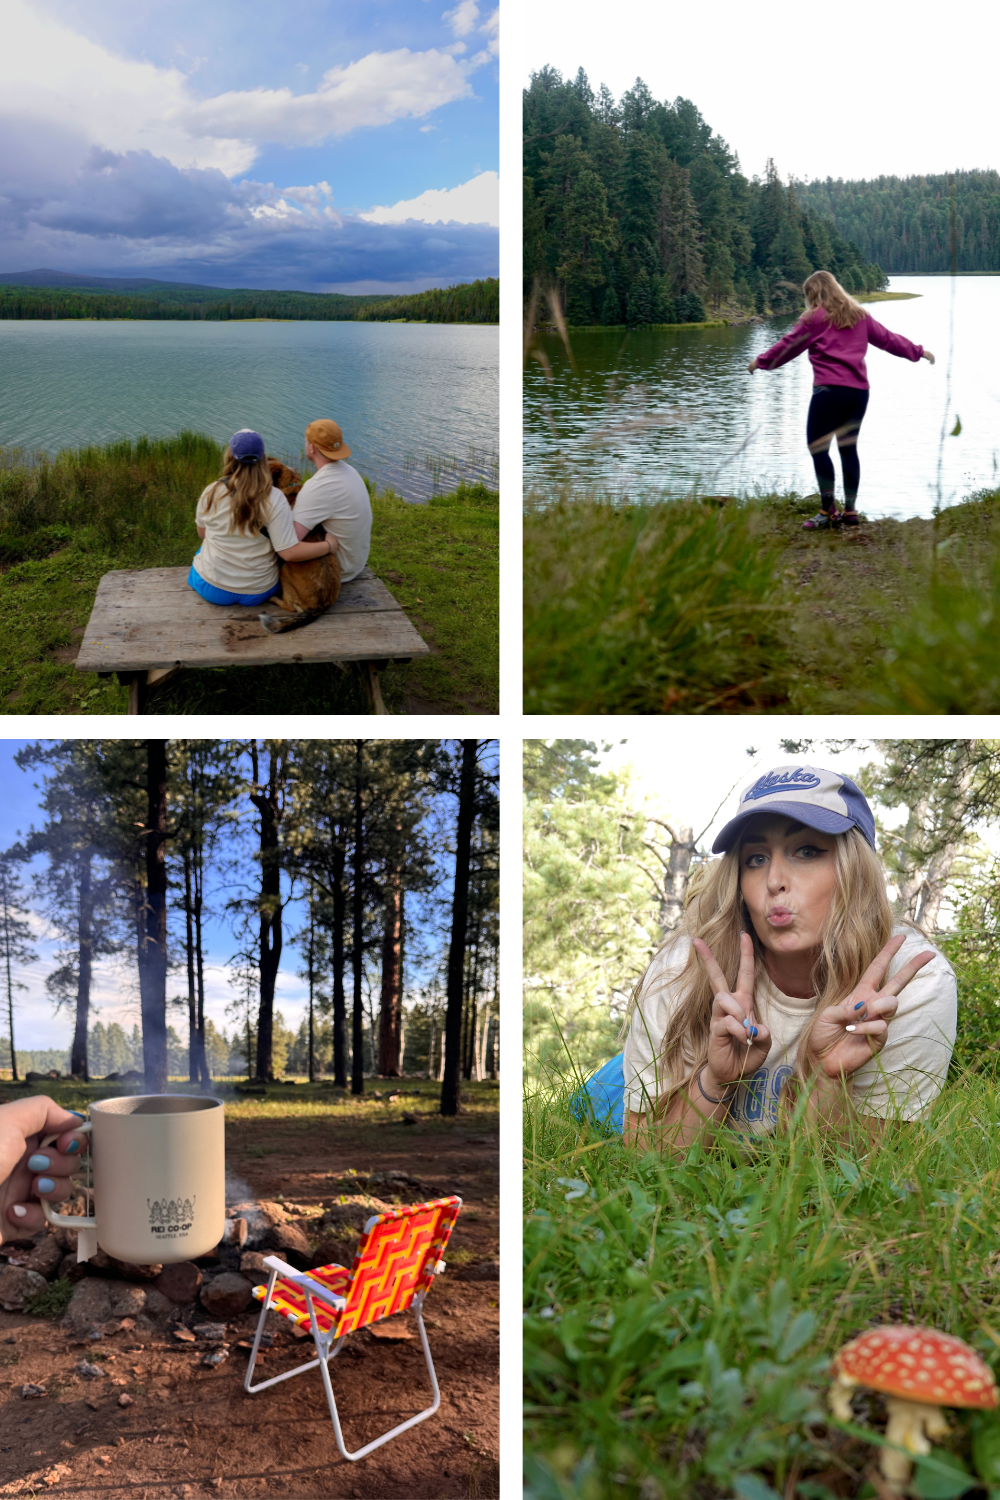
70,279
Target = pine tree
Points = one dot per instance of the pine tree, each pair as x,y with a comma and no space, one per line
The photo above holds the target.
611,313
679,233
15,939
640,300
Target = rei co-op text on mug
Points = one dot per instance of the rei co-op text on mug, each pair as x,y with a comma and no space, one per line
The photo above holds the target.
159,1179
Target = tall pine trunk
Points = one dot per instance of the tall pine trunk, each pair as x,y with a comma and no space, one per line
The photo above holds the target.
339,1006
152,935
193,1069
312,982
4,895
450,1085
266,803
357,1019
199,954
85,940
390,1013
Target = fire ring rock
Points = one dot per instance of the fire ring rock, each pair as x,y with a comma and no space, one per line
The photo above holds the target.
179,1282
226,1296
89,1305
17,1284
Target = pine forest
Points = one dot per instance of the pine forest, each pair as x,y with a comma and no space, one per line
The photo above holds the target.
638,213
368,869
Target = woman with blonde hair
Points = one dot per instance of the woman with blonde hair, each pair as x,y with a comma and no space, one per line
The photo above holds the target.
245,525
789,967
837,331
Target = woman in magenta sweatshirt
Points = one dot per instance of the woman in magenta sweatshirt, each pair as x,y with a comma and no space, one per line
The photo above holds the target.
837,332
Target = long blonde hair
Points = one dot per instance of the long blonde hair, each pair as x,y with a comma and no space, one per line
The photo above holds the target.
248,486
858,925
822,289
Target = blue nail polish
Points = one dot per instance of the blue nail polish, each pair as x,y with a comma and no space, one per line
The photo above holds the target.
45,1185
753,1031
746,1021
39,1163
860,1005
72,1148
77,1113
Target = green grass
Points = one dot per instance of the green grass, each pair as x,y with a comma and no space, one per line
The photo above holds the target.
680,1314
65,522
53,1301
686,607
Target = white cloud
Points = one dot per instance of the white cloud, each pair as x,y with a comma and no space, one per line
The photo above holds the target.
379,88
57,80
473,202
463,18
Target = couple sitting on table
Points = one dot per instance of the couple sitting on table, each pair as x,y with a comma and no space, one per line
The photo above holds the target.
255,547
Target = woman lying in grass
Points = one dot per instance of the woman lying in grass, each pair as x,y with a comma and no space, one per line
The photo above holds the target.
790,969
237,562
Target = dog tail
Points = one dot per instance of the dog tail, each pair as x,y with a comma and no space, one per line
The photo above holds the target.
279,624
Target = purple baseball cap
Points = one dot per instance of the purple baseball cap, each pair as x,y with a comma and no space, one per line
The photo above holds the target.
247,446
823,800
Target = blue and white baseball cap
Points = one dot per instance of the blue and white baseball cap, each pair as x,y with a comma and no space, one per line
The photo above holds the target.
823,800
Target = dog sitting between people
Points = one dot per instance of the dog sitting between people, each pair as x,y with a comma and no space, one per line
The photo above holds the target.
307,588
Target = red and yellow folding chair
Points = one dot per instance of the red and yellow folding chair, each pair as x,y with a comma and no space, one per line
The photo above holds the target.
397,1259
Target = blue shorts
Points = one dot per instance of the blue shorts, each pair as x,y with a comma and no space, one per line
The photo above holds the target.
223,596
600,1101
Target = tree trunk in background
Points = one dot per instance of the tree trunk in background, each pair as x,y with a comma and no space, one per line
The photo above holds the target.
78,1058
199,953
389,1012
676,875
312,980
450,1085
194,1072
357,1019
4,897
266,803
152,954
339,1008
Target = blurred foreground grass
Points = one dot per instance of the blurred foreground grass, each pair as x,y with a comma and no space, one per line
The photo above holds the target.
680,1313
725,605
66,522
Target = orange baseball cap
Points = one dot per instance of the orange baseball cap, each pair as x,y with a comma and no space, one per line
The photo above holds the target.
328,438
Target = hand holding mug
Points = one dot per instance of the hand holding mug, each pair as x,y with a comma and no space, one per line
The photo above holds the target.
851,1033
738,1044
30,1171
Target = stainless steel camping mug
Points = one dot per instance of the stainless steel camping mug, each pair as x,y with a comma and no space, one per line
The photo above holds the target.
159,1179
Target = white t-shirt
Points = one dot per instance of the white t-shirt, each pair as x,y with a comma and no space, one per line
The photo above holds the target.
242,564
903,1079
336,498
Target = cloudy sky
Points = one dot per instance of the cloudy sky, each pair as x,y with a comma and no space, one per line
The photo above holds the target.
313,146
886,89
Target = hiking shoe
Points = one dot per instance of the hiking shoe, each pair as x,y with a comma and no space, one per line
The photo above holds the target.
850,518
823,520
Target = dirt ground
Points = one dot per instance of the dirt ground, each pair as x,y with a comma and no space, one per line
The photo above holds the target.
192,1431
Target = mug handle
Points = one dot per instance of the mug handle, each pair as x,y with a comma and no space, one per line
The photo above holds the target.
67,1221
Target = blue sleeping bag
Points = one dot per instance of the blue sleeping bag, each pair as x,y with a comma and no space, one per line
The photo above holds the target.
600,1100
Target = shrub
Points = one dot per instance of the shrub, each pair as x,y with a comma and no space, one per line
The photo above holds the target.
53,1301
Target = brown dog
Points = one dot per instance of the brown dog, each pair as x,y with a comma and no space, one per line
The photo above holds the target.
307,588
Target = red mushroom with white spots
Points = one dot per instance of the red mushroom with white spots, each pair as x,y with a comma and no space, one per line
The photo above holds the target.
919,1371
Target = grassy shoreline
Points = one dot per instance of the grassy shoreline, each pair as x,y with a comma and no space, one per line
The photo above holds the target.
724,605
66,522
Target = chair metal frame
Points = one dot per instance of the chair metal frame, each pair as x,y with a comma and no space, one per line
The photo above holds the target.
314,1291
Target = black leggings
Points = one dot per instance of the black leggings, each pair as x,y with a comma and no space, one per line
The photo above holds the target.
836,411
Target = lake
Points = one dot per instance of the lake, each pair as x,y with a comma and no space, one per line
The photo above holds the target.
417,402
669,409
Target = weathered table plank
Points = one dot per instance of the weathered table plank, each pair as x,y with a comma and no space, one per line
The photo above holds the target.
146,625
152,620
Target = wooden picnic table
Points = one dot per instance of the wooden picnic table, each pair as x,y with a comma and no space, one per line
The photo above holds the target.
147,624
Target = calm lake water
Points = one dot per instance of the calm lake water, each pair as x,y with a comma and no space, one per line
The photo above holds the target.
417,402
653,411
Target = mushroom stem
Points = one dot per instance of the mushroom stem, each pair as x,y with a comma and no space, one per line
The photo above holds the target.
910,1425
840,1398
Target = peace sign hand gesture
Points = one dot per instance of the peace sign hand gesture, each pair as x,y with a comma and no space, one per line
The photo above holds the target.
738,1044
848,1035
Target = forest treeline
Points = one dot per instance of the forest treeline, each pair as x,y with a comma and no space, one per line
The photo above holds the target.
147,841
467,302
640,214
904,223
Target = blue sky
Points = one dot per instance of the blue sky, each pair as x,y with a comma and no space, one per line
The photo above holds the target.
115,993
314,146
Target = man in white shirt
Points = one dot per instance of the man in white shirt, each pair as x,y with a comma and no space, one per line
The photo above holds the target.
336,498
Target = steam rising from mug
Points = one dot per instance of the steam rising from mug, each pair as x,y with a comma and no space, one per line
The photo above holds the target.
159,1164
